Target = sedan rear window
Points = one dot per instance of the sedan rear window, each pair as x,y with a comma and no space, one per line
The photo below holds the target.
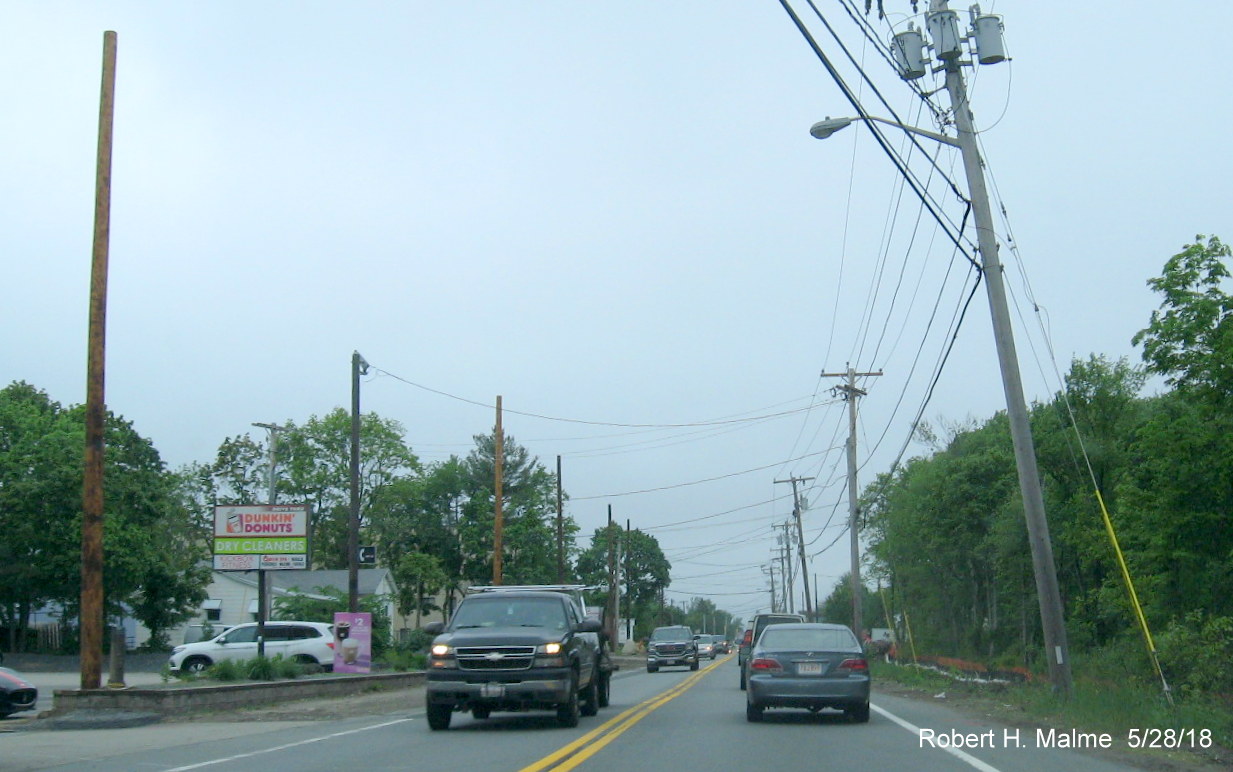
801,640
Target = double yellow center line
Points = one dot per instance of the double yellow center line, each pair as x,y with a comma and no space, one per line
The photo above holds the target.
590,743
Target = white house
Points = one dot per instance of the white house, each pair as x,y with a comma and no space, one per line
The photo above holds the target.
232,595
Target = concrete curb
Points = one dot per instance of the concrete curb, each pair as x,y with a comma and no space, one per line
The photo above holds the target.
90,705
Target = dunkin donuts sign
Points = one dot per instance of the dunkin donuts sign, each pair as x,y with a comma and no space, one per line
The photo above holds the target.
261,536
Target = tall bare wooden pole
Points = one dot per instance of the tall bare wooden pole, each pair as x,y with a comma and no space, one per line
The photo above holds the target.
359,366
96,410
560,529
498,536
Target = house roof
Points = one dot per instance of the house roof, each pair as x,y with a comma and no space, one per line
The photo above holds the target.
306,582
368,579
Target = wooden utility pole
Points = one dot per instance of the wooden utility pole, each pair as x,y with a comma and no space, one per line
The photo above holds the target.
769,570
560,530
629,610
358,367
614,590
96,405
498,528
850,393
800,541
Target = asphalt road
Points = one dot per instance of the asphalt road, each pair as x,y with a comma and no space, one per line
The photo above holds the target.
674,720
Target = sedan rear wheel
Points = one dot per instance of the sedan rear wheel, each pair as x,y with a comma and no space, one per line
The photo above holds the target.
860,714
753,713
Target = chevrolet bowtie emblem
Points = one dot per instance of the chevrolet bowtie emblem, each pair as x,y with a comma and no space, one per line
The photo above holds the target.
494,656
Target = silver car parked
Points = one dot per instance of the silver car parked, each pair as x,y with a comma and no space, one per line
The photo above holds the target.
811,666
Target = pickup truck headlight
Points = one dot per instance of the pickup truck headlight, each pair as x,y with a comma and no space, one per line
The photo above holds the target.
442,656
549,655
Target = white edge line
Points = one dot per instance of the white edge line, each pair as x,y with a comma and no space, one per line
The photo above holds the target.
965,757
288,745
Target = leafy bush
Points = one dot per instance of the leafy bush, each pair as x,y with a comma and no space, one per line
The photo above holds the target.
416,640
226,670
402,658
1196,653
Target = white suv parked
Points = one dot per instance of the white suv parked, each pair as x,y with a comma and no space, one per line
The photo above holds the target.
307,642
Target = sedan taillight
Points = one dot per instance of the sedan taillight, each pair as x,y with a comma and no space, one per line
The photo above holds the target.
765,665
857,665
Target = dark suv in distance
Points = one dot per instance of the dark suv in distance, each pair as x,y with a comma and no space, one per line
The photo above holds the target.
674,645
760,622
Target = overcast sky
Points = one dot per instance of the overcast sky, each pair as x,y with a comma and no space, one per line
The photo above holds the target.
610,213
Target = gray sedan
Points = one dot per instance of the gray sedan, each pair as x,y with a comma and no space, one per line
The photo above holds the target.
811,666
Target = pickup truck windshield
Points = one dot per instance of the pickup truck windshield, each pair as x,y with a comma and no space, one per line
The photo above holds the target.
510,612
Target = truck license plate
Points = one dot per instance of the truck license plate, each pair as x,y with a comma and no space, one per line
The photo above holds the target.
809,668
492,691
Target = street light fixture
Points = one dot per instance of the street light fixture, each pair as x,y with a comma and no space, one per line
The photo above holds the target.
823,129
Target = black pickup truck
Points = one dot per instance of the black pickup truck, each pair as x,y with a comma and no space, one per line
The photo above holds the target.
518,648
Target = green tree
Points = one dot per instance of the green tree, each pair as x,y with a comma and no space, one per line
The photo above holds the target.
420,516
321,603
419,577
151,551
645,572
315,461
529,554
1189,339
837,608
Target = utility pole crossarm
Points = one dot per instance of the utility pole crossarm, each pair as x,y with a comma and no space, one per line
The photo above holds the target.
851,393
800,540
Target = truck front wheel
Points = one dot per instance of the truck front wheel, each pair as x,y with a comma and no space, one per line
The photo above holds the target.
568,712
438,716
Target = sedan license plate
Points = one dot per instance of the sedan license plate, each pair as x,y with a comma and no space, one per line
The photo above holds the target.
492,691
809,668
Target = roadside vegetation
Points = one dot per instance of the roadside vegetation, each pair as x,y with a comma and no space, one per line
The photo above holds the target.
947,545
1105,700
276,668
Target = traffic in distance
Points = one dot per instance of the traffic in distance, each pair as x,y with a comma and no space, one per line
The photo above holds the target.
539,648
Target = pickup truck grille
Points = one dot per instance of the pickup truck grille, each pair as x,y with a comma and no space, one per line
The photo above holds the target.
495,657
669,648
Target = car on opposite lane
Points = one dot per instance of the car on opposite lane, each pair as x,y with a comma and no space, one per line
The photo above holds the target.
671,645
706,646
811,666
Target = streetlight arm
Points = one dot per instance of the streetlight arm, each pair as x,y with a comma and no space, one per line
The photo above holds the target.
823,129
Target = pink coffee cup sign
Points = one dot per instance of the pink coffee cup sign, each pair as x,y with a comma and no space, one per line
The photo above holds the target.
352,642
